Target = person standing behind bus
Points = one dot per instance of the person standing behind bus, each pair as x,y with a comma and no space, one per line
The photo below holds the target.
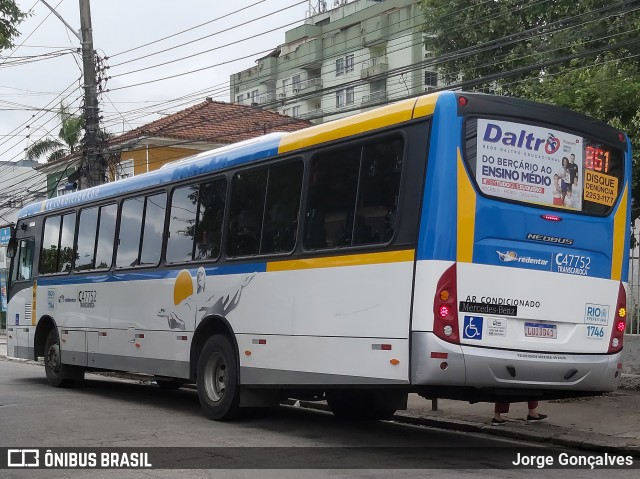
503,408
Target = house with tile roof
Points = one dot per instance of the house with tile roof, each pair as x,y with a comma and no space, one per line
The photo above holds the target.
201,127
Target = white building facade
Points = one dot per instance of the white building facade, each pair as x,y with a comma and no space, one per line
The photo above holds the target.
347,57
20,184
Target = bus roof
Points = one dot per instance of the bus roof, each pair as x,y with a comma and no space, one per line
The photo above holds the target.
245,152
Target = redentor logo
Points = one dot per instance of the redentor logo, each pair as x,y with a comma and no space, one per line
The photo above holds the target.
552,145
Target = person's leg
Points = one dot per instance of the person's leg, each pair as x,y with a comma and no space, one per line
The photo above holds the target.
500,408
533,414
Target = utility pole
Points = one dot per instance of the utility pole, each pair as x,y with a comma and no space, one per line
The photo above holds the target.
92,167
92,161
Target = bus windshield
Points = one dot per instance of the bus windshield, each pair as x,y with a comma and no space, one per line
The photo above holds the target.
543,166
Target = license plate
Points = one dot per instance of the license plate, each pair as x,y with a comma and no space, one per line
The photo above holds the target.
540,330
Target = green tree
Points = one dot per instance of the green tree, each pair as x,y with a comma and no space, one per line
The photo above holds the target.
68,140
580,55
10,18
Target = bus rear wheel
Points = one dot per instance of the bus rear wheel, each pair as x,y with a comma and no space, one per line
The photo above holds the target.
58,374
217,379
353,404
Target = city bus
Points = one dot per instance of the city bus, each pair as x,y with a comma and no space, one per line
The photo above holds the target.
455,245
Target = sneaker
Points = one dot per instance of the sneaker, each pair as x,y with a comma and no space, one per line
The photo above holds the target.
539,417
497,422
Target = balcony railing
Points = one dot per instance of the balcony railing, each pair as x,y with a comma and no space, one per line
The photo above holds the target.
312,114
374,66
374,97
268,97
310,83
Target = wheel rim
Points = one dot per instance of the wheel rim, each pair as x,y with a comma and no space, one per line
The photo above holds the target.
53,358
215,377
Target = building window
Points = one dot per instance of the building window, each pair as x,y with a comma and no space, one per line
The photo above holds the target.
124,169
430,79
339,98
254,96
285,85
295,82
285,111
348,63
239,99
340,66
350,95
296,111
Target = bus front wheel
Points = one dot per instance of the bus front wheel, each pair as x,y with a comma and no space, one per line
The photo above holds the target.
58,374
217,379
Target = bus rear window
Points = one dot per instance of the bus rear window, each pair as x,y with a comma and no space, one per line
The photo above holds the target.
543,166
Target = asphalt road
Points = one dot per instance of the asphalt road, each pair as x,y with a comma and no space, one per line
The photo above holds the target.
107,413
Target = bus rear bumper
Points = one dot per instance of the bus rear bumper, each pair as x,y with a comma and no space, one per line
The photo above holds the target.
505,369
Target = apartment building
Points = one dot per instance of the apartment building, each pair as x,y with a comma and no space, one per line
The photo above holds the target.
347,57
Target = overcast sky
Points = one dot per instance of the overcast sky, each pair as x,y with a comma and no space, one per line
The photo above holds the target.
119,25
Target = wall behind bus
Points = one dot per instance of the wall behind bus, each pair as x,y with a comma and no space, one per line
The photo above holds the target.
631,354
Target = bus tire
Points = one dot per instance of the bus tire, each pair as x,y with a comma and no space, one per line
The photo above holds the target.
170,384
217,379
357,405
58,374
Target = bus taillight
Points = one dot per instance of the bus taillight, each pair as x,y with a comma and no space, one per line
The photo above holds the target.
445,324
619,323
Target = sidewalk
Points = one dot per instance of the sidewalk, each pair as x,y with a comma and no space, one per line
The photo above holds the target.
604,423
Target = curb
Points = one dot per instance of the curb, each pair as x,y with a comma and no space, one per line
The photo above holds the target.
404,417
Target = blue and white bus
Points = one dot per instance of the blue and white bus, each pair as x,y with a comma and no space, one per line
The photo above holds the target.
455,245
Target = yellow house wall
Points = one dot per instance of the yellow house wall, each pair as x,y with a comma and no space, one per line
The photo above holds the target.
157,156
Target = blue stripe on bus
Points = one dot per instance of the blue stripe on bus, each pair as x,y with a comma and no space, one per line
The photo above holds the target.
437,235
151,274
206,163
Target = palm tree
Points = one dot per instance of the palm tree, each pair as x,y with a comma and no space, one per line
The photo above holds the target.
68,141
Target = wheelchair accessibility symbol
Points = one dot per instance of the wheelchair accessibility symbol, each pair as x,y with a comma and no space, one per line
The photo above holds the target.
472,327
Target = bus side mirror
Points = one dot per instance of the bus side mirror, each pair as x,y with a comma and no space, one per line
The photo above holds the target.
12,247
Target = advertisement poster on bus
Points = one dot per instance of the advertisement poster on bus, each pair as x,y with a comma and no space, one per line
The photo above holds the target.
529,163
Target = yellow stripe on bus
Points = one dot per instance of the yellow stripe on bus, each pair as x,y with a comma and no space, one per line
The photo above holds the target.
426,105
346,127
619,232
346,260
466,214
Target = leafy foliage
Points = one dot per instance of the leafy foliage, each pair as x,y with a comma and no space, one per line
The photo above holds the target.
10,18
580,55
69,138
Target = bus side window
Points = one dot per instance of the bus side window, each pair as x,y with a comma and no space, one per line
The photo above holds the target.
247,209
153,231
129,234
182,223
57,245
210,219
106,235
332,198
86,244
378,192
282,208
50,243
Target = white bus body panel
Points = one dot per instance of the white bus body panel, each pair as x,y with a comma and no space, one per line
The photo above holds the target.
504,357
321,325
